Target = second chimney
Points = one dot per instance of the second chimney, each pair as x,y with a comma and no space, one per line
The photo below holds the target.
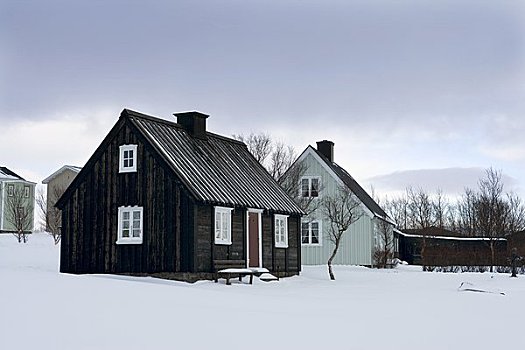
326,148
193,122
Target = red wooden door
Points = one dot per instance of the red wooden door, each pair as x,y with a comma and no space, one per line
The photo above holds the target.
253,239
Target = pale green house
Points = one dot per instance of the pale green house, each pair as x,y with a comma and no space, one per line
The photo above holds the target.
17,202
320,177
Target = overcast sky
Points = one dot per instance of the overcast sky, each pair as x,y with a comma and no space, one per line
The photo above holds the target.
421,93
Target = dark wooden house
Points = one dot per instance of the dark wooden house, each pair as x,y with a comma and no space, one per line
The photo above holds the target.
447,248
168,199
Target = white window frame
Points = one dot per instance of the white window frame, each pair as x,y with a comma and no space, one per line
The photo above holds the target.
320,235
310,178
10,190
131,239
127,169
281,231
26,191
223,225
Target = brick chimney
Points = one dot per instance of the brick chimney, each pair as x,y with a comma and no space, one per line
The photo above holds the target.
326,148
193,122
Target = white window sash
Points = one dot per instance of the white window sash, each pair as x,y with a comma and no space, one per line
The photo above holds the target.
281,231
133,225
125,158
223,225
310,233
306,186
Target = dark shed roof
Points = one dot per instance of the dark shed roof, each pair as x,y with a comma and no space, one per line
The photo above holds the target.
349,181
216,170
5,172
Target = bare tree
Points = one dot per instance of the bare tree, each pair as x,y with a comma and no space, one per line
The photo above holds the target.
18,211
440,209
281,158
515,214
51,215
275,156
466,213
491,210
341,210
420,208
259,145
397,209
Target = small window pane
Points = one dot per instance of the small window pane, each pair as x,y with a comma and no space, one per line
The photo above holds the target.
315,233
136,233
125,215
125,233
305,233
136,215
304,188
315,188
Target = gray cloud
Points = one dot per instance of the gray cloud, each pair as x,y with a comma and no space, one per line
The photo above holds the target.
398,85
452,181
357,61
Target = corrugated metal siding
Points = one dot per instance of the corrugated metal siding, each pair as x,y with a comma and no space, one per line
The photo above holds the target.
217,170
356,247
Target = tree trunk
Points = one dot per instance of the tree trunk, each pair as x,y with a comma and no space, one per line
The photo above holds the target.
330,272
423,259
492,257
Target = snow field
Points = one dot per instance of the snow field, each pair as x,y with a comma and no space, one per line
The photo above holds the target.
402,308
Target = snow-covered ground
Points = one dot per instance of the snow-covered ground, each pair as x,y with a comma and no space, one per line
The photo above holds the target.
402,308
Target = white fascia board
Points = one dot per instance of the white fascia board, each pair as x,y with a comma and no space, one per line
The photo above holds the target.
59,171
387,219
452,238
310,150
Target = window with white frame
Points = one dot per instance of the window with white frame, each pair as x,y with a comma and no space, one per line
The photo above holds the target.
130,225
223,227
281,231
310,186
26,191
10,190
128,158
311,232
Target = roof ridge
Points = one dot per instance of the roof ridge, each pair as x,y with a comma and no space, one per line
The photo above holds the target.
131,113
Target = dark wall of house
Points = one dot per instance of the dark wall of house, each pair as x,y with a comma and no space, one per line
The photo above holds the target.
281,260
449,252
517,240
285,260
207,250
89,222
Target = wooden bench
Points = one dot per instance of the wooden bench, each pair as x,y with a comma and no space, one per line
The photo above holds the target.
231,268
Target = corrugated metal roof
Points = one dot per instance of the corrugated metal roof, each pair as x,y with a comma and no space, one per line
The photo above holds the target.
217,169
352,184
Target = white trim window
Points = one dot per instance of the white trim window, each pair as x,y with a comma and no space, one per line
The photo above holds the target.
223,227
281,231
311,232
26,191
10,190
130,225
309,186
128,159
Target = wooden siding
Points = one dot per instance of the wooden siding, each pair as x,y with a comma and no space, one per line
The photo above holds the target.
356,246
89,222
281,260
